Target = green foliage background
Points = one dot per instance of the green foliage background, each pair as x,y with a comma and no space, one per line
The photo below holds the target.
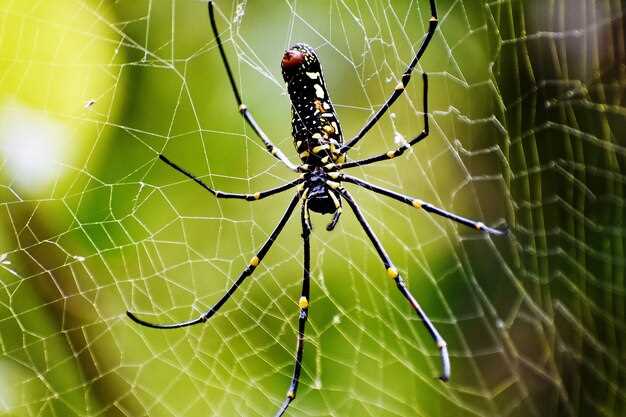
529,117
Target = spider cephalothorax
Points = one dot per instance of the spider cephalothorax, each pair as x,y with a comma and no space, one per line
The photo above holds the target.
321,196
319,142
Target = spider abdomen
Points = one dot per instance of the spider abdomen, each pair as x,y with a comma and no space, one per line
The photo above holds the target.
315,128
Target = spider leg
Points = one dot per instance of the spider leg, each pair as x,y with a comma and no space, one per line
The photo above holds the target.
254,262
303,303
401,149
424,205
243,109
307,214
393,273
221,194
404,81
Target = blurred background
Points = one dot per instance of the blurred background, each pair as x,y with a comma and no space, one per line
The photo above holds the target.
528,117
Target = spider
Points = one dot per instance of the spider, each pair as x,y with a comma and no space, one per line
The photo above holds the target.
318,139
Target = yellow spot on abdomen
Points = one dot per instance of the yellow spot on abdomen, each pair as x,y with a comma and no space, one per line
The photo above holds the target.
320,148
303,303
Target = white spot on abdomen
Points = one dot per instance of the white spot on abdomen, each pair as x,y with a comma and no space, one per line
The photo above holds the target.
319,91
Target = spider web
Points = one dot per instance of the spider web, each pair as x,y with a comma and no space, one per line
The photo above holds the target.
527,123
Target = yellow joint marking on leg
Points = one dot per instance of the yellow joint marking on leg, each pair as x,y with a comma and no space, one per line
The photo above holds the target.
329,129
441,344
290,394
257,196
392,272
304,154
298,143
316,136
417,203
242,108
391,154
301,176
274,150
332,184
399,87
301,187
325,159
334,175
320,148
480,226
305,167
303,303
254,261
329,166
433,19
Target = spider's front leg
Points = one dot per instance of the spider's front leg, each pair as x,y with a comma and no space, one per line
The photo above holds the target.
393,273
303,303
254,262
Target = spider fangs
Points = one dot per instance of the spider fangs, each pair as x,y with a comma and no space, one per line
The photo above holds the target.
319,143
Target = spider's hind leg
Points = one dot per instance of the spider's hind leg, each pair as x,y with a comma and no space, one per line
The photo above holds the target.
243,109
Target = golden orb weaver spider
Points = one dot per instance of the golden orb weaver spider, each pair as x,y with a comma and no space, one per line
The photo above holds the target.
318,139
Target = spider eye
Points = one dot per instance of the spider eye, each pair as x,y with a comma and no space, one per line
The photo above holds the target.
292,59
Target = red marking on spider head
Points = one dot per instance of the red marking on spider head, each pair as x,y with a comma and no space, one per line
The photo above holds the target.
292,59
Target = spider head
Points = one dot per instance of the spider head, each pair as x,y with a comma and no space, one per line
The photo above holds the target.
298,59
318,196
